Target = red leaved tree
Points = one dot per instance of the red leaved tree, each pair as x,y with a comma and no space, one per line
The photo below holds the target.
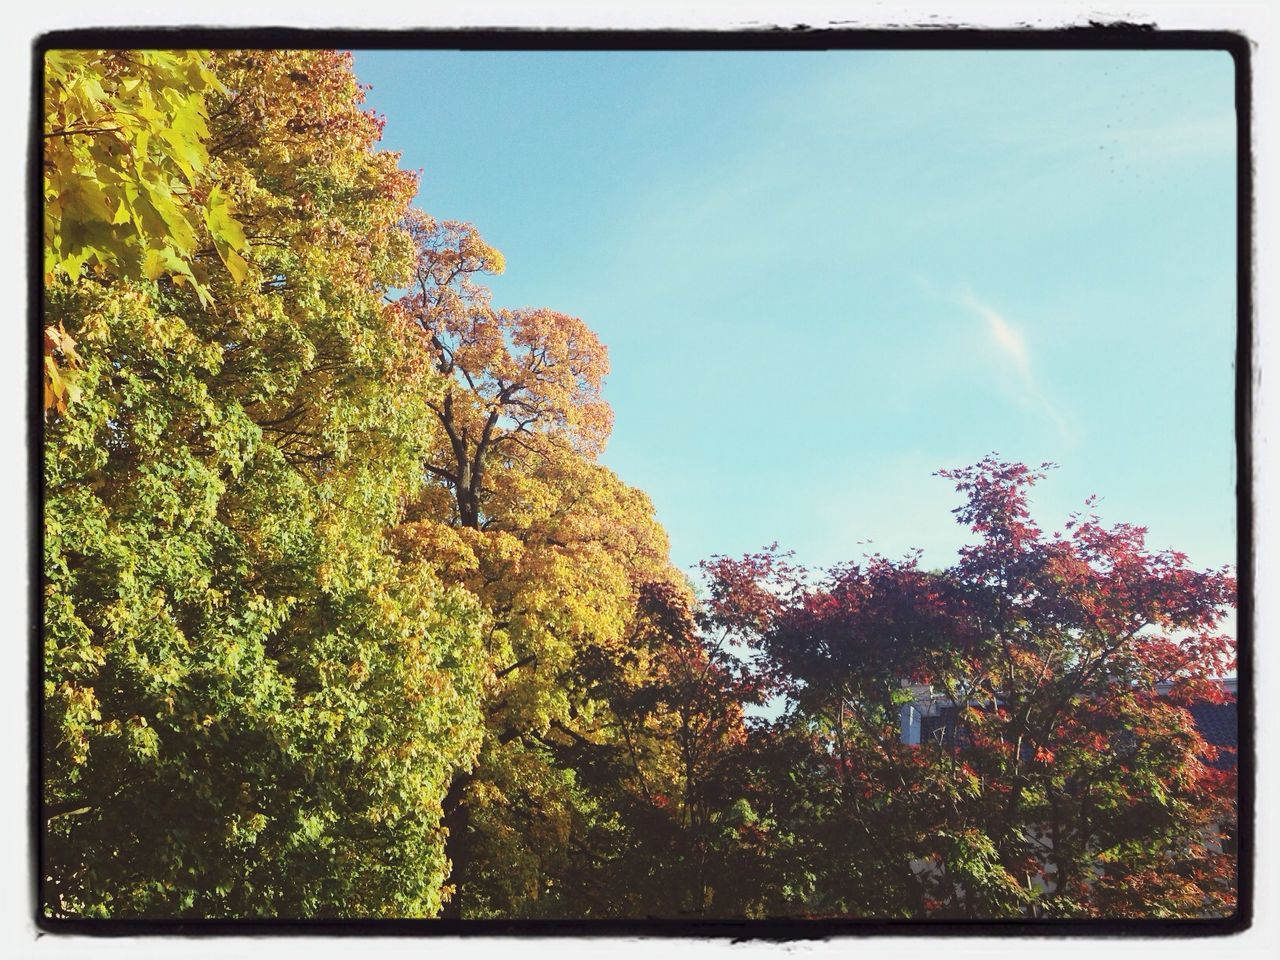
1060,772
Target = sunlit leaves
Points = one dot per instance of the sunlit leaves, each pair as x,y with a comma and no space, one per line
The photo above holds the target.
252,707
125,157
124,151
61,363
228,236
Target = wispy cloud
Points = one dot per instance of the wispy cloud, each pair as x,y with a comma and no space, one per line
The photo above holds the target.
1011,348
1005,336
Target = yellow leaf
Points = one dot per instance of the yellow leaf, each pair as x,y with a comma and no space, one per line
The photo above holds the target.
236,264
54,378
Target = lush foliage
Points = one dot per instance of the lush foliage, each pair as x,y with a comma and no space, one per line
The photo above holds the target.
125,147
252,706
344,617
1064,776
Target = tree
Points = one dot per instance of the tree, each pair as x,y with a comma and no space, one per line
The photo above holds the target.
515,378
1069,779
514,505
653,820
252,706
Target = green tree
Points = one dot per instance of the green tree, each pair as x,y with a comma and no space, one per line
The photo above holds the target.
252,707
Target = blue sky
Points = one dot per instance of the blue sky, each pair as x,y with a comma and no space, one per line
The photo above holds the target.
823,276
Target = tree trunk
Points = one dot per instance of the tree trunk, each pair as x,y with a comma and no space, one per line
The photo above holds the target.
457,817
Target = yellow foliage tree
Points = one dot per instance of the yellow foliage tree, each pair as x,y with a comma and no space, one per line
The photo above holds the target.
516,506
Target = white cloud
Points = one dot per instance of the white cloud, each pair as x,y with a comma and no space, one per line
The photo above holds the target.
1011,347
1005,336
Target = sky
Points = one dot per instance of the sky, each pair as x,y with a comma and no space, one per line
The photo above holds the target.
823,276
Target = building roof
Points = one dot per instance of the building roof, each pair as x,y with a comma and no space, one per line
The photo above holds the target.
1219,724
